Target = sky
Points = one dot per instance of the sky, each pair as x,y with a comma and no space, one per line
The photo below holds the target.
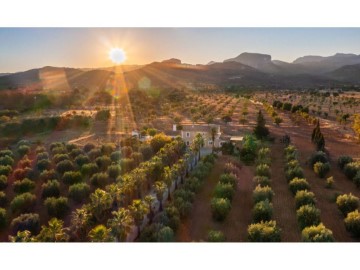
26,48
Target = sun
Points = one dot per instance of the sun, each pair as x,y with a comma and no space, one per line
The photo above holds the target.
117,55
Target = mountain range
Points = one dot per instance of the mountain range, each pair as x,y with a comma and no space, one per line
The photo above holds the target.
253,70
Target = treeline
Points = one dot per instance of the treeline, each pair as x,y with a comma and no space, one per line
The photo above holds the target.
43,124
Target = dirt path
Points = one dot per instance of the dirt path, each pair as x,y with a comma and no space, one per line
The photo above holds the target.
197,225
283,201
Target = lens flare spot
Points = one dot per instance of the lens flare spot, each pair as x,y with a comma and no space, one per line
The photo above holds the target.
117,55
144,83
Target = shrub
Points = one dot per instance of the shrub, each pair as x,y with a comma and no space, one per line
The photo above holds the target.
23,203
99,179
87,170
3,199
76,152
29,222
95,153
5,170
264,232
295,172
319,156
183,206
292,164
115,156
80,160
262,193
137,157
114,171
186,195
193,184
20,174
263,170
308,215
3,182
220,208
88,147
224,191
262,211
23,150
352,223
304,197
146,151
72,177
317,233
60,157
228,178
165,234
356,179
343,160
51,189
64,166
347,203
127,164
79,192
48,175
3,219
43,164
56,207
290,149
263,181
22,186
351,169
298,184
216,236
330,182
321,169
103,162
6,161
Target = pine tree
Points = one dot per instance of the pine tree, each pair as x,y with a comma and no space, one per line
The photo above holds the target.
261,131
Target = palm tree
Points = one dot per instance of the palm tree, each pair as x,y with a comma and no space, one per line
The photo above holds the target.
197,144
139,177
149,199
139,210
121,224
100,202
168,177
213,134
54,232
160,188
182,167
100,234
22,236
80,222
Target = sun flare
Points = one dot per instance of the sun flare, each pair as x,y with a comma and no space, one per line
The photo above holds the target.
117,55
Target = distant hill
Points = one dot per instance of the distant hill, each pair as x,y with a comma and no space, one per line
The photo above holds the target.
54,78
253,70
350,73
226,73
259,61
320,64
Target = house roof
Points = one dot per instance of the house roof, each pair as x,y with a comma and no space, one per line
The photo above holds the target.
199,128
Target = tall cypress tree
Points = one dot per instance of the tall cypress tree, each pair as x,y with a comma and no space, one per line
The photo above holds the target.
318,138
260,130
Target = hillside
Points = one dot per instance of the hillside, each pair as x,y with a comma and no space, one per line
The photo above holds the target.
54,78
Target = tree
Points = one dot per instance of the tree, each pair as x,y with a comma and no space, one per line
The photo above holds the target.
260,130
160,188
352,222
80,222
216,236
149,199
347,203
54,232
265,231
139,210
100,234
22,236
100,203
197,144
318,138
121,224
220,208
308,215
317,233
